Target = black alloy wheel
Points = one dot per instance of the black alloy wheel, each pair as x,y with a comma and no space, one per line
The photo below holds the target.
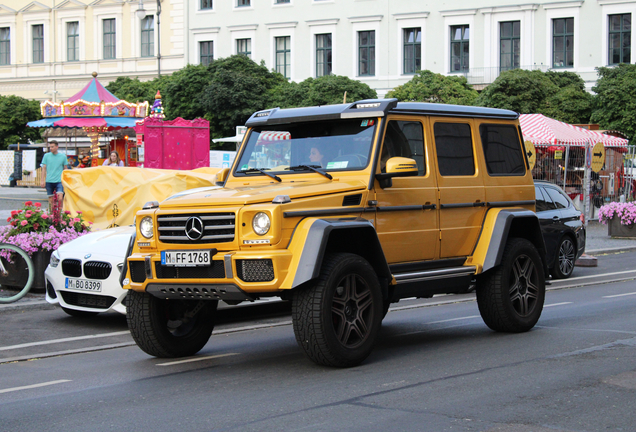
565,260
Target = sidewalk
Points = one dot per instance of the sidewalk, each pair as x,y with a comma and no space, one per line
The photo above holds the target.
12,198
599,242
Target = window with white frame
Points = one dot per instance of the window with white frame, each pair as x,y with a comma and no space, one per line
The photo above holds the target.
366,53
282,1
619,39
206,52
37,33
109,38
243,3
283,56
148,36
323,54
412,46
509,45
460,48
244,47
72,41
205,4
5,46
563,42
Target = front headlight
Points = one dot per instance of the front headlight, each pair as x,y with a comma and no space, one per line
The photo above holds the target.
261,223
55,259
145,227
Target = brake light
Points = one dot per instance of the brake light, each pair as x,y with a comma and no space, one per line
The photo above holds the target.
582,217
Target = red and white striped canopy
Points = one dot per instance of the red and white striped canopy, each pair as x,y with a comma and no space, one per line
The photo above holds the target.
545,131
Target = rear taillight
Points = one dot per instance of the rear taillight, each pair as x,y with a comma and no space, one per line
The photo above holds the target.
582,217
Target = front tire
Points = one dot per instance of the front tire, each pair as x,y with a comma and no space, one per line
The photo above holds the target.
565,259
169,328
510,297
336,321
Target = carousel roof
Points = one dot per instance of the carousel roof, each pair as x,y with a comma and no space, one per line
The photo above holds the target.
545,131
91,107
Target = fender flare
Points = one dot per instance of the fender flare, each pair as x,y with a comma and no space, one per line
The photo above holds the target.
316,239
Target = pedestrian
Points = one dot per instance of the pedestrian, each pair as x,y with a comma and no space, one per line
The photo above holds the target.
53,163
114,160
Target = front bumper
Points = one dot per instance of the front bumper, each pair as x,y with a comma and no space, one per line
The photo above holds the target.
232,276
109,299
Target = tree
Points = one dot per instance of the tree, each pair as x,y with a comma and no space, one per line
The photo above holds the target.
134,90
183,92
15,113
615,104
238,87
560,95
324,90
427,86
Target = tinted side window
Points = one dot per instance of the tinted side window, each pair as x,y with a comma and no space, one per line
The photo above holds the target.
502,149
454,145
558,197
404,139
543,203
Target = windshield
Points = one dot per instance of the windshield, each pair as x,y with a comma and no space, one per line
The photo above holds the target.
327,145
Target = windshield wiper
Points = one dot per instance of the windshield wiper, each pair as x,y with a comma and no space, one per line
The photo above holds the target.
313,168
262,171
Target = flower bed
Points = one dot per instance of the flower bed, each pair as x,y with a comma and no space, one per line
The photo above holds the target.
625,212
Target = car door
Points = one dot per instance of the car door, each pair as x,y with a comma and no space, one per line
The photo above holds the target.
549,218
462,196
406,217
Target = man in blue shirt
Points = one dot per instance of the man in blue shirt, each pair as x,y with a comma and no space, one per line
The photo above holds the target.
53,163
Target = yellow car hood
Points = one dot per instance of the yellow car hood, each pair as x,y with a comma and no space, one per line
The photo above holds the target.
258,193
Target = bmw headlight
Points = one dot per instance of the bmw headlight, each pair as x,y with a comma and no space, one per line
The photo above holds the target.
261,223
145,227
55,259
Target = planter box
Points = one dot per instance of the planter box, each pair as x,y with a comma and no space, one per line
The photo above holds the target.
616,229
18,275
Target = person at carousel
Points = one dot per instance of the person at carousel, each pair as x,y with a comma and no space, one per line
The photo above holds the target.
114,160
53,163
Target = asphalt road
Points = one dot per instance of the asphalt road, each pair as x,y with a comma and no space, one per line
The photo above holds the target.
436,367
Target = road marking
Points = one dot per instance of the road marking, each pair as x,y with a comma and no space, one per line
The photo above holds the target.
439,322
620,295
54,341
557,304
32,386
597,275
195,359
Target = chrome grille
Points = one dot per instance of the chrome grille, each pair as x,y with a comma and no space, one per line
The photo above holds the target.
97,269
217,228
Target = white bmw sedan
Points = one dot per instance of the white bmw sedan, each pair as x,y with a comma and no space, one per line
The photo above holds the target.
83,274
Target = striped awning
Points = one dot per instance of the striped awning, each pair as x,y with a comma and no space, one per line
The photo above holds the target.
544,131
274,136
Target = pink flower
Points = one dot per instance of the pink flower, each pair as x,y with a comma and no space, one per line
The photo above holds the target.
28,213
37,204
67,212
90,223
8,219
45,216
76,220
79,212
62,223
36,225
23,223
28,203
14,212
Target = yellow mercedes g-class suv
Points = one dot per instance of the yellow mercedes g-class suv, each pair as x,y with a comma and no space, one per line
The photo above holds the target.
343,209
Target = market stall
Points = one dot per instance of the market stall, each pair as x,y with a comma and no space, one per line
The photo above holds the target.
558,152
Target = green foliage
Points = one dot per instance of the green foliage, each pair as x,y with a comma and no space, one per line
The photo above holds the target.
134,90
427,86
184,91
615,105
15,113
324,90
238,87
560,95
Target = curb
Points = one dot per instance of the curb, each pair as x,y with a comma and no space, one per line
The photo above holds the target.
27,305
610,250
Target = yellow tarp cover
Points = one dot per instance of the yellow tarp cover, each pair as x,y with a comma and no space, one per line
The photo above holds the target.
111,196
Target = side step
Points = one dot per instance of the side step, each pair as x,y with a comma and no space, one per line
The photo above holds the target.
430,282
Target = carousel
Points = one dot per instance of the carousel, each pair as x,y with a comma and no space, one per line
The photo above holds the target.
97,113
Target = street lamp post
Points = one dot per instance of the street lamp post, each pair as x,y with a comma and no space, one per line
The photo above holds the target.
141,14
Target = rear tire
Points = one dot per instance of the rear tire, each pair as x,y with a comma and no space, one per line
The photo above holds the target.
169,328
510,297
336,320
565,259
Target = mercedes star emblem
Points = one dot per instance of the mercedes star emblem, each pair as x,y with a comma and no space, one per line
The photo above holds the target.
194,228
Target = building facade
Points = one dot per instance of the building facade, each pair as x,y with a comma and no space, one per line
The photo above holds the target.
53,46
49,48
